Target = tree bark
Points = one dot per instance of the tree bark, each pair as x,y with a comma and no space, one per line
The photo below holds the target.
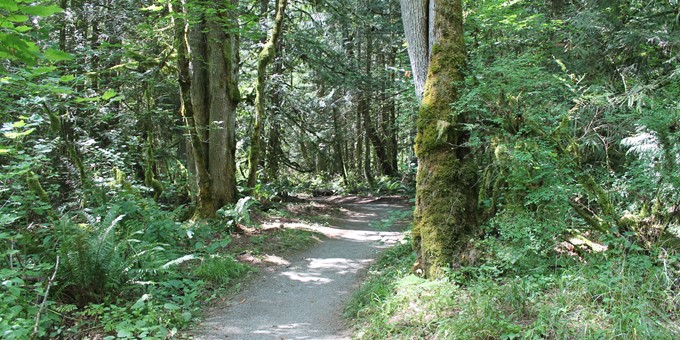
208,74
445,218
266,56
375,139
338,141
416,16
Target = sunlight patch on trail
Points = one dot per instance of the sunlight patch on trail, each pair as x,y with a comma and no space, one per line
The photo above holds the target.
389,237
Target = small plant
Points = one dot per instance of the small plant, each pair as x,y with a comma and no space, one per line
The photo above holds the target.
220,270
240,212
390,186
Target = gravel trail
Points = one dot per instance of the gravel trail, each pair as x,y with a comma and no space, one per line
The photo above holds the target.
304,298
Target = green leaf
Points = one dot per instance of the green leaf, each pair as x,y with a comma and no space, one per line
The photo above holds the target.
23,28
14,135
4,150
67,78
42,70
124,333
87,100
17,18
55,55
109,94
9,5
170,306
141,302
42,11
19,124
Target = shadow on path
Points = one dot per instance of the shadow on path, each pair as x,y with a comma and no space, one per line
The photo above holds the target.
304,298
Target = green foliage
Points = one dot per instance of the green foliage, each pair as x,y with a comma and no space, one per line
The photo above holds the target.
15,42
290,240
240,212
391,186
392,217
220,270
581,301
162,311
381,281
572,132
131,260
105,255
20,285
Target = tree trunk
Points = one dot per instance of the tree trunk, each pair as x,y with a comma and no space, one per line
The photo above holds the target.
266,56
371,132
389,118
337,146
368,175
416,16
358,146
445,218
208,73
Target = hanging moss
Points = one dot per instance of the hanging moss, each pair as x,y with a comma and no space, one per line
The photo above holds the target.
37,188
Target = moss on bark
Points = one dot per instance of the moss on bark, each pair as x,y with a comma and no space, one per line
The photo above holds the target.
446,195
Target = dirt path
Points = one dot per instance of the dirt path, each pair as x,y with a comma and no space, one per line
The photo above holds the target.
304,298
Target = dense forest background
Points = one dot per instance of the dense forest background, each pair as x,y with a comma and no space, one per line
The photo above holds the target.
129,130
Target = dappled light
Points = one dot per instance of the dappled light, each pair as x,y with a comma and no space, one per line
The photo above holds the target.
302,299
461,169
306,277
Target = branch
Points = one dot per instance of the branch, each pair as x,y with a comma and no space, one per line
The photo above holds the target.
44,301
587,216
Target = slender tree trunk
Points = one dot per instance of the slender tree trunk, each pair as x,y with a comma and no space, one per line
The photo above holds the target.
390,119
266,56
556,6
94,46
445,219
368,175
416,17
354,53
364,107
338,142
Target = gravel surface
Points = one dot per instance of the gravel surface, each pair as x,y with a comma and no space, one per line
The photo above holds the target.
304,298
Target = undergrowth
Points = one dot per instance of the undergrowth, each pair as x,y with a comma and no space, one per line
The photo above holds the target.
618,294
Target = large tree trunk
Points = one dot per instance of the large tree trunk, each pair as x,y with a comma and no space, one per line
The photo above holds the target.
201,183
208,73
446,212
266,56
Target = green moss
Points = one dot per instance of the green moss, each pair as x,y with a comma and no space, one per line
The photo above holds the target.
446,213
446,194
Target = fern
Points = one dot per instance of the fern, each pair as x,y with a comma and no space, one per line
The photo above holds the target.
644,143
240,213
100,261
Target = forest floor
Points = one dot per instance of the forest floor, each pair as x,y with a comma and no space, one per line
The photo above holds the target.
302,296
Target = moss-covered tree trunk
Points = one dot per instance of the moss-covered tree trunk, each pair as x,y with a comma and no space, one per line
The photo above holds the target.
266,56
446,213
